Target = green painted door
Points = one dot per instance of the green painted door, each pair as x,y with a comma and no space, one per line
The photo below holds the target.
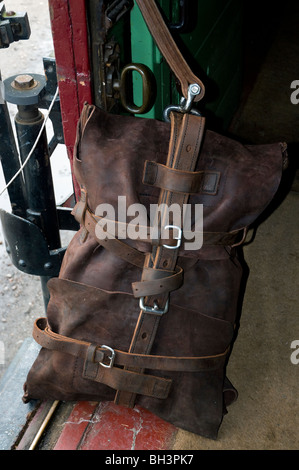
212,45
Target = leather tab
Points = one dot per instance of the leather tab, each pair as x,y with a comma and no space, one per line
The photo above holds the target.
90,369
179,181
157,282
129,381
80,208
79,212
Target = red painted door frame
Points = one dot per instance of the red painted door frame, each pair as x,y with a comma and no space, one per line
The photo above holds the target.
70,38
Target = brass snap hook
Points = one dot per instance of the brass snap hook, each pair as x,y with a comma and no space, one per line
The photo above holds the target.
149,89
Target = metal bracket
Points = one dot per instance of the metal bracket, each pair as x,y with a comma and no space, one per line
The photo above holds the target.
55,115
13,26
40,94
111,62
105,51
31,233
182,26
116,10
20,236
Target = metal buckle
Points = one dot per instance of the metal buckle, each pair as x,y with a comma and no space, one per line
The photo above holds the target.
185,105
155,309
111,358
178,238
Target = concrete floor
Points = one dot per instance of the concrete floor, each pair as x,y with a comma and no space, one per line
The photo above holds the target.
266,414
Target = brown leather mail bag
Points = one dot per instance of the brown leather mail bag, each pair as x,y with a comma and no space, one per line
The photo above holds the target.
141,313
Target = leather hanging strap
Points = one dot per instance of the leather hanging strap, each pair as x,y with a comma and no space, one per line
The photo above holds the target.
185,140
168,47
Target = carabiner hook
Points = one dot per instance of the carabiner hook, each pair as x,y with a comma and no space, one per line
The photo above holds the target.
185,104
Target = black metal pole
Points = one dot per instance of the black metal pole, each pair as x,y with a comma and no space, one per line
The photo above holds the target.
37,172
10,162
38,179
28,92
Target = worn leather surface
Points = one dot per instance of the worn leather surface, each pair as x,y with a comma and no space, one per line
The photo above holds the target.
92,299
168,47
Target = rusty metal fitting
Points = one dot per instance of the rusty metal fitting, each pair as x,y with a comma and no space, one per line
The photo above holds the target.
24,82
9,13
25,89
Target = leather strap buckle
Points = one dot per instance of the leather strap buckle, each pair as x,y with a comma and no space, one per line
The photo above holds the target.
178,237
155,309
111,358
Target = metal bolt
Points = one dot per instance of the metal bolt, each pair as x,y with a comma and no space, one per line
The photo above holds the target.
195,89
48,266
24,82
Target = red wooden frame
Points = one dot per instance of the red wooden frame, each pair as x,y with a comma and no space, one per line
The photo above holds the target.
70,38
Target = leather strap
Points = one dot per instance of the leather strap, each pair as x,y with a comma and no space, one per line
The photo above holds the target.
185,139
191,182
168,47
120,379
48,339
90,223
157,282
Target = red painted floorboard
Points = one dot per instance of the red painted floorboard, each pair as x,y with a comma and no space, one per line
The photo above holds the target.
112,427
73,430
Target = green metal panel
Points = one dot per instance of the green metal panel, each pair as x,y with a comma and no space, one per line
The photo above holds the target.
212,47
144,50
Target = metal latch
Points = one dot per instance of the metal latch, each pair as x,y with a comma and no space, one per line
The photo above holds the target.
13,26
116,10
